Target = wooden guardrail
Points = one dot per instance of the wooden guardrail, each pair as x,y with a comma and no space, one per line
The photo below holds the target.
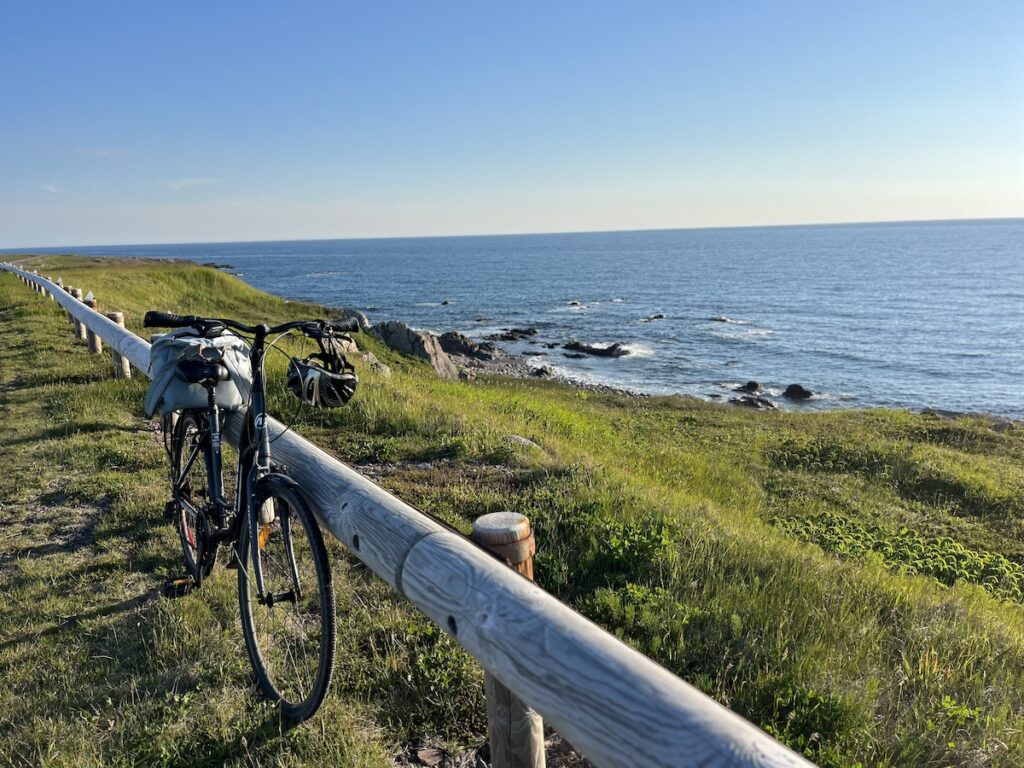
618,707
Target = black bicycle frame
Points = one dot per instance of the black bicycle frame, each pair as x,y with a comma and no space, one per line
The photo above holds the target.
255,439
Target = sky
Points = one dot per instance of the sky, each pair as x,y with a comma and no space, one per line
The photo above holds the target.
141,122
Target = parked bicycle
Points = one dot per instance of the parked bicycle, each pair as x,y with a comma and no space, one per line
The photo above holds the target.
285,590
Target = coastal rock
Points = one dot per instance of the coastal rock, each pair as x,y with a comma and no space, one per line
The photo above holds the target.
753,401
455,343
575,304
797,392
523,441
348,312
543,372
445,303
513,334
573,355
380,369
422,344
466,375
751,388
658,316
612,350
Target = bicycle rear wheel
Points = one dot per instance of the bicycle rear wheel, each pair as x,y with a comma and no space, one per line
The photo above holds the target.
290,636
190,445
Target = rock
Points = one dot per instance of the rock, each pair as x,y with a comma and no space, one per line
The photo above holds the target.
422,344
481,319
347,312
533,353
369,358
575,304
380,369
550,345
751,387
523,441
658,316
797,392
455,343
612,350
466,375
513,334
753,401
543,372
573,355
348,345
445,303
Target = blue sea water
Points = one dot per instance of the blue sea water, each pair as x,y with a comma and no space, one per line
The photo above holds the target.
918,315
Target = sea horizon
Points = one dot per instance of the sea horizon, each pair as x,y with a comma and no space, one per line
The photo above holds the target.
553,233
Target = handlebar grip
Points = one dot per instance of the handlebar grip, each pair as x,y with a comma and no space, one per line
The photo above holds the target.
348,325
154,319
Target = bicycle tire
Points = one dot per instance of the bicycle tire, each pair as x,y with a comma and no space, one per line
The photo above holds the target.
199,561
269,637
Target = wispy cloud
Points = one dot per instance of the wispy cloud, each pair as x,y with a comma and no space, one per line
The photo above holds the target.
179,184
102,152
52,188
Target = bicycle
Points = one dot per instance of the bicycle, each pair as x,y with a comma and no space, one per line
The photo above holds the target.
285,592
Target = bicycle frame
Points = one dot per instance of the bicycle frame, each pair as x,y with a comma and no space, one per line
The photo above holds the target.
255,439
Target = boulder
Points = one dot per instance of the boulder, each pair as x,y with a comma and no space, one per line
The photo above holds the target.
753,401
347,312
575,304
658,316
513,334
751,388
573,355
543,372
797,392
422,344
380,369
612,350
455,343
466,375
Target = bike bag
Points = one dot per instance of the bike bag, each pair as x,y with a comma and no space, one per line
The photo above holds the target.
168,390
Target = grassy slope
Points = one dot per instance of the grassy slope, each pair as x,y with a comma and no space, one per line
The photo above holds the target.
794,566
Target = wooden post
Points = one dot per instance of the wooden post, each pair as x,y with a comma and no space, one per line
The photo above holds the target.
95,342
515,732
48,292
68,290
80,329
122,368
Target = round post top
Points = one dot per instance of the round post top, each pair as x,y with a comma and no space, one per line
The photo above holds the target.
501,528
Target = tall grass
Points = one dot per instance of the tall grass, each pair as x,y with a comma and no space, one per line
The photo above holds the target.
748,552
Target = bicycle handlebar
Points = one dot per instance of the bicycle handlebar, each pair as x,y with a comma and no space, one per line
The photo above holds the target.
155,319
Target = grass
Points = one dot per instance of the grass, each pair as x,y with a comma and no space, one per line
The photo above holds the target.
850,581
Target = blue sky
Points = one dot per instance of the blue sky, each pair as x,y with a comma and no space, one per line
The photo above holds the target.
187,121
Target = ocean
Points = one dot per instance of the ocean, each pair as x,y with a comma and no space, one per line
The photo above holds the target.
918,315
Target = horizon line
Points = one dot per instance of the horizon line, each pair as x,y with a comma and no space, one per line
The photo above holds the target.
28,249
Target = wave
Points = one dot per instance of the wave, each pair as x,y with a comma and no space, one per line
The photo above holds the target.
729,320
637,349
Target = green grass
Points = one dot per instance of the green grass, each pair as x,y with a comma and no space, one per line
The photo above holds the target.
848,580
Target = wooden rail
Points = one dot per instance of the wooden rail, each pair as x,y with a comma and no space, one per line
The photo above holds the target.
618,707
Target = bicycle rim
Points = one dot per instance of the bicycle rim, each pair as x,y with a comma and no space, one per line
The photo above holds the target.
191,494
291,640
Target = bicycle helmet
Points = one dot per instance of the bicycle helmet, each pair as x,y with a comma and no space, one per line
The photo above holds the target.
325,379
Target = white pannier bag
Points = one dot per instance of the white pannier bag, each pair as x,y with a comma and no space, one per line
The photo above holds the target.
168,390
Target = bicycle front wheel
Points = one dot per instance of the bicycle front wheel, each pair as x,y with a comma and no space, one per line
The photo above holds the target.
290,630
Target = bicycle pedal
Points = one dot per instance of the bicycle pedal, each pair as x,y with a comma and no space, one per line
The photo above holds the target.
178,587
232,564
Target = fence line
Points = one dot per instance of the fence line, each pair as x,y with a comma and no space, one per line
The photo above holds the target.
618,707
